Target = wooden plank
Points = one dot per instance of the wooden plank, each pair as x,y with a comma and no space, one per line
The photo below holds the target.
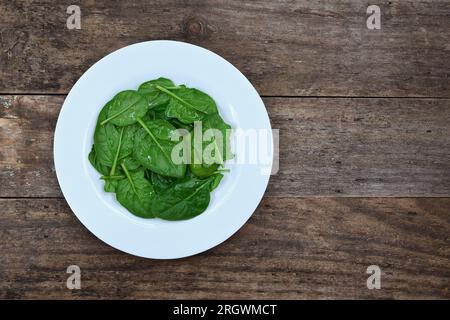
328,147
284,47
362,147
292,248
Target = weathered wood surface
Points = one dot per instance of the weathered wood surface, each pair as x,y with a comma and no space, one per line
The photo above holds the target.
318,48
291,248
328,147
310,237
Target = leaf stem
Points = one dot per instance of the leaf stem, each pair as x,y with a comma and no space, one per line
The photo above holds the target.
112,177
129,177
173,88
116,156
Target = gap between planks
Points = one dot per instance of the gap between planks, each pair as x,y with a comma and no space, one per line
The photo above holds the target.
273,196
262,96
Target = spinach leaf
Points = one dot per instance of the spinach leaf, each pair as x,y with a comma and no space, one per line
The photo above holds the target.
184,200
111,143
178,124
153,148
199,168
110,185
161,183
126,147
131,163
125,108
106,138
102,169
161,114
135,193
216,181
188,104
111,182
203,170
215,121
156,98
215,144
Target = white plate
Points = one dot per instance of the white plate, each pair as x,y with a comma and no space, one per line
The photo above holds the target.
232,203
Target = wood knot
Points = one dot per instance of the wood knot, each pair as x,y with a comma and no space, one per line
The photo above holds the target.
196,27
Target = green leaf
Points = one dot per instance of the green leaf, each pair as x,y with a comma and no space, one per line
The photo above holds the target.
188,104
106,138
184,200
125,108
218,146
111,143
131,163
128,139
153,148
216,181
161,114
111,182
203,170
135,193
156,98
161,183
110,185
102,169
127,147
179,125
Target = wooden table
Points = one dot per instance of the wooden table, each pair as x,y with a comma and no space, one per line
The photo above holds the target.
364,119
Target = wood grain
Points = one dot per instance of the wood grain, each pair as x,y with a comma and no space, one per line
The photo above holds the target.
363,117
328,147
284,47
291,248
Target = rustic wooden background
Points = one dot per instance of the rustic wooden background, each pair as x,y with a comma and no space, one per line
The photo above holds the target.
365,149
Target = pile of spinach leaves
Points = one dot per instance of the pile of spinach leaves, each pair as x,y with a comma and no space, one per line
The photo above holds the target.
133,145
